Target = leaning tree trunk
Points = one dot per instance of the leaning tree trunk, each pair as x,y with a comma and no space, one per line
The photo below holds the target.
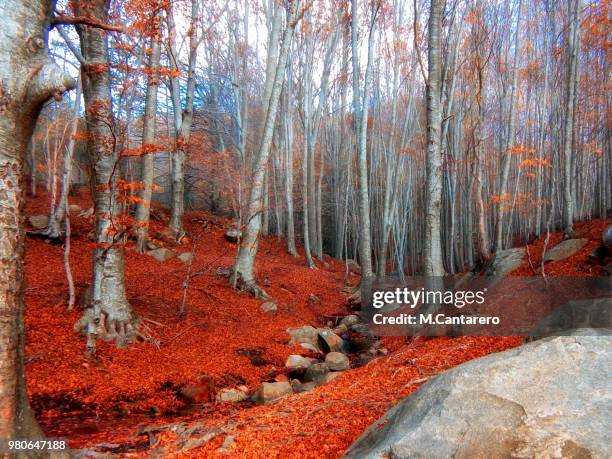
432,250
108,313
243,275
28,78
148,150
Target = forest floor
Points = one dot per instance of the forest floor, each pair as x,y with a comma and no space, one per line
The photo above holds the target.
126,402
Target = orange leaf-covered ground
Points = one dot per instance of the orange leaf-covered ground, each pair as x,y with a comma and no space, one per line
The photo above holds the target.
111,398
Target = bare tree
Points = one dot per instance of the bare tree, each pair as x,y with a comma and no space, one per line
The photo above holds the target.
243,275
148,149
432,248
108,312
28,78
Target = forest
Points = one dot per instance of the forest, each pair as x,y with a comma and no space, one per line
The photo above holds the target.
196,196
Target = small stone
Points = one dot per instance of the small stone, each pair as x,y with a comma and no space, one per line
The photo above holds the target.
269,391
162,254
297,362
606,237
231,395
336,361
383,351
233,234
268,307
186,257
305,334
73,208
340,330
351,320
310,347
314,298
330,342
299,387
316,373
38,222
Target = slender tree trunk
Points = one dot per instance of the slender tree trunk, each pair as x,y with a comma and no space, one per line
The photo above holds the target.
108,313
148,150
361,122
57,215
432,250
509,140
243,275
573,8
23,52
182,119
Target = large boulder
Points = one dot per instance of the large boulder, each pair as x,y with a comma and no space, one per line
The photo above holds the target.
565,249
505,261
549,398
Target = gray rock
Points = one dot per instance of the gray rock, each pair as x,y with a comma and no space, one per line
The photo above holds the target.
310,347
269,391
351,320
269,307
38,222
607,237
186,257
305,334
505,261
162,254
317,372
329,341
297,362
549,398
565,249
337,361
231,395
233,234
312,298
302,387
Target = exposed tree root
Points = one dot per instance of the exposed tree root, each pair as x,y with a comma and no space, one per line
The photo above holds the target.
115,322
249,286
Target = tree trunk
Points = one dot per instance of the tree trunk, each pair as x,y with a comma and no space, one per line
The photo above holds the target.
243,275
148,150
573,8
108,314
432,250
57,215
361,124
503,188
182,119
28,78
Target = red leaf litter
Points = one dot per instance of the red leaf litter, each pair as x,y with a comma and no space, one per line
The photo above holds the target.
125,402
